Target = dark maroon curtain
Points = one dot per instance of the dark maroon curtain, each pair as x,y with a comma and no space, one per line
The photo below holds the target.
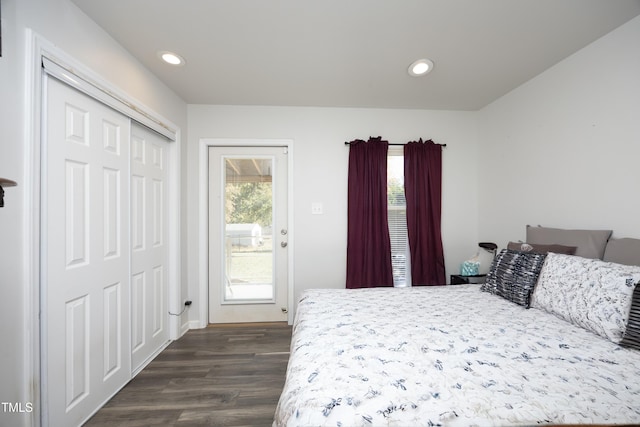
423,191
368,243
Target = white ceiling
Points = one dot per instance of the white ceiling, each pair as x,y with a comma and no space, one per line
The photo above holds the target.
354,53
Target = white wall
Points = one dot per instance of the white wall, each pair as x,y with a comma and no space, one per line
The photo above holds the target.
61,23
562,150
12,382
320,175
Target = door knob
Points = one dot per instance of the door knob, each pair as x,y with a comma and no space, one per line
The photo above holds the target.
283,244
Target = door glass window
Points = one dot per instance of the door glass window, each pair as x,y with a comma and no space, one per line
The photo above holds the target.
248,218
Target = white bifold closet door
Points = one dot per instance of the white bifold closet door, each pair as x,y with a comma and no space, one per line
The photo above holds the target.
104,305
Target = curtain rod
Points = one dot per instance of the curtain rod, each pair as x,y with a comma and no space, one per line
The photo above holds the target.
442,145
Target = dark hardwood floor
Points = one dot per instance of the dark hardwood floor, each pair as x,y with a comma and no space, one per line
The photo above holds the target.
223,375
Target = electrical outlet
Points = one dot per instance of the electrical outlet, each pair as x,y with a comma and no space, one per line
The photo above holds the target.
316,208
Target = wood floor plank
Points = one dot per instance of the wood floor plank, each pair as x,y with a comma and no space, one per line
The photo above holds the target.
223,375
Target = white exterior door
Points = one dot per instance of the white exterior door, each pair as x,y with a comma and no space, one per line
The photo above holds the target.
85,261
248,234
149,252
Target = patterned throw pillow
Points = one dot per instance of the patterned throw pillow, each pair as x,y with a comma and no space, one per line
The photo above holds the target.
590,293
513,275
631,336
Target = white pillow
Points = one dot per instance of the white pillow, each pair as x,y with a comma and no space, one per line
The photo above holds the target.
593,294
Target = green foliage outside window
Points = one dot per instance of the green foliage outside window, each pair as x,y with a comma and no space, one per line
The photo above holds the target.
395,192
248,203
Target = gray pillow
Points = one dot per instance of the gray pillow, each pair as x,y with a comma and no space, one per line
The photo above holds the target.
588,243
541,249
623,251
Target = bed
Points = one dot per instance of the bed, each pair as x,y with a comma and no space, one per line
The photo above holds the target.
463,356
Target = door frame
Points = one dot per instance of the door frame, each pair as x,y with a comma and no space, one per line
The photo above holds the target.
203,219
39,49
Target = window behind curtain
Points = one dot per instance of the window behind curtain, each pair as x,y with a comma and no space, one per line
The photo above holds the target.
397,213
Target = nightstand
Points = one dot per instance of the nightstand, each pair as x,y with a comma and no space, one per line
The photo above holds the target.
457,279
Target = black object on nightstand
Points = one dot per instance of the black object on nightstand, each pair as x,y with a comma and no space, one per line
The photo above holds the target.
457,279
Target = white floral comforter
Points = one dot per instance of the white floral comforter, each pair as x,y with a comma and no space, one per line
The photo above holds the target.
452,356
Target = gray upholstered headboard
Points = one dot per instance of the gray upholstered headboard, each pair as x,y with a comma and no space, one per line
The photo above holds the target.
596,244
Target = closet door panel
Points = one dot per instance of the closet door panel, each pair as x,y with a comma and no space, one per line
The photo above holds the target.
85,259
149,250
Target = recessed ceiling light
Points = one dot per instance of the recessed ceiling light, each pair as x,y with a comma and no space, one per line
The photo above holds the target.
171,58
420,67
